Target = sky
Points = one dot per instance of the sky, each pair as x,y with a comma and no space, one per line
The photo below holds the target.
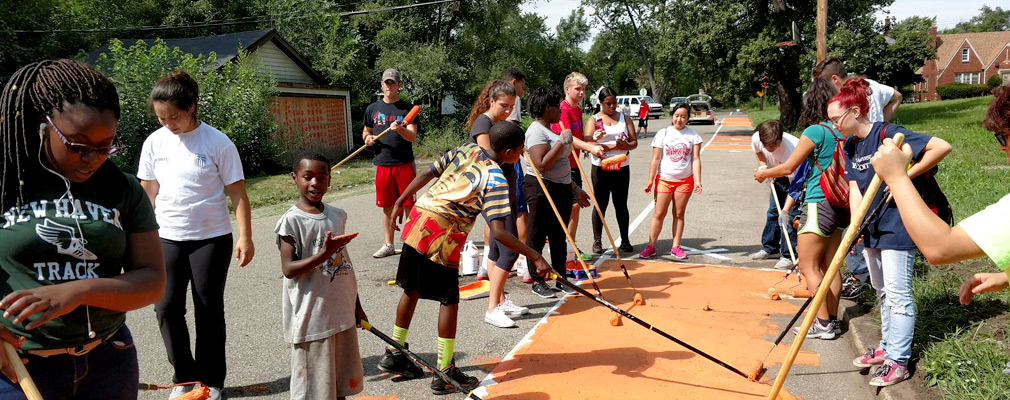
947,12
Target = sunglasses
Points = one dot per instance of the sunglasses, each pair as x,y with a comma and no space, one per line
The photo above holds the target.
1001,138
838,121
85,151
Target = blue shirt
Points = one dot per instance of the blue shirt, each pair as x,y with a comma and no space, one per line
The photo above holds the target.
885,230
799,182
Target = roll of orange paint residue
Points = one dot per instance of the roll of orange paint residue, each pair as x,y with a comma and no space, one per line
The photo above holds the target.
800,293
773,294
613,162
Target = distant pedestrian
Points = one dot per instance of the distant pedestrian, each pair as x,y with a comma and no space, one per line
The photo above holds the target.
643,119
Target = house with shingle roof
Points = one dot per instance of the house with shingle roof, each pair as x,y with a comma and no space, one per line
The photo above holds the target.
964,58
311,113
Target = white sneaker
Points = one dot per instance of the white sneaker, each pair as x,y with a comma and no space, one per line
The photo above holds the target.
763,255
215,392
498,318
784,263
512,309
179,391
385,251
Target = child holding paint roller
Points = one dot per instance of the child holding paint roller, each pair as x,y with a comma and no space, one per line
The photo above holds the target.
611,174
469,181
676,173
773,146
320,304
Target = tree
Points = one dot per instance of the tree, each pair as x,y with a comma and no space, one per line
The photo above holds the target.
627,18
987,20
892,62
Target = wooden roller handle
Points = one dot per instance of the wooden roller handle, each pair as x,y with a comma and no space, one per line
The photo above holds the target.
25,380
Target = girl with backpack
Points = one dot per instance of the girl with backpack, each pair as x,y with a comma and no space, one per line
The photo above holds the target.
889,250
821,220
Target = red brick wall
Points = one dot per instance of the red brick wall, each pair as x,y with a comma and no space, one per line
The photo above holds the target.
956,66
317,123
998,64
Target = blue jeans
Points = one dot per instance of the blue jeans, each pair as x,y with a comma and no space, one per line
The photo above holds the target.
856,263
109,371
891,276
772,240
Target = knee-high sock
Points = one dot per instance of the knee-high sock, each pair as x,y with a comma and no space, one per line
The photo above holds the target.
399,335
445,350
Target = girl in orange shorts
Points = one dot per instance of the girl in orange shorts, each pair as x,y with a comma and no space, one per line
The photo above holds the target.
676,172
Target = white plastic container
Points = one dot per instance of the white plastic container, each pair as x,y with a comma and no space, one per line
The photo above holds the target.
570,255
469,259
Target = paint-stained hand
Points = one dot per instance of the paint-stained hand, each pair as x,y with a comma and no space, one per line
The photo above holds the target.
981,283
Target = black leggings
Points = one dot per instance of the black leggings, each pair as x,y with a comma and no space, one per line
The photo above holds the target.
607,184
544,224
202,264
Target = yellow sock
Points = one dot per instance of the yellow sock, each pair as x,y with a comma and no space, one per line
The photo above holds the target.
445,350
399,335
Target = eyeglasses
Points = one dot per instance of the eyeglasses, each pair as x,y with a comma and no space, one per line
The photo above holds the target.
1001,138
838,121
85,151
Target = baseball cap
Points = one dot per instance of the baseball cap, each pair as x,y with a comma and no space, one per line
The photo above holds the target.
391,74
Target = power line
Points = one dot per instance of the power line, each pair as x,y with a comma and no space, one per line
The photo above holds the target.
230,22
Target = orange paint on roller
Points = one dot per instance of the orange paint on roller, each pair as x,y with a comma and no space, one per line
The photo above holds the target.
755,370
411,115
774,294
615,319
800,293
638,299
613,162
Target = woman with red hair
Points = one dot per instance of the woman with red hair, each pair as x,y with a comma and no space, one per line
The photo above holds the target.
888,249
986,233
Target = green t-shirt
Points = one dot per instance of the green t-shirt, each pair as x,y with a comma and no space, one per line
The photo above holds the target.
990,230
58,237
824,146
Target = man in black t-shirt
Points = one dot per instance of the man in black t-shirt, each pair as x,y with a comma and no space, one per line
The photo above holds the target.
394,154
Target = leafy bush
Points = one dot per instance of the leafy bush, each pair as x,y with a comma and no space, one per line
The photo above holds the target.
443,134
962,91
994,81
233,99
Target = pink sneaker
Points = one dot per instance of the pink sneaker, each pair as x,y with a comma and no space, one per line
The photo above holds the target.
678,253
647,252
889,373
871,358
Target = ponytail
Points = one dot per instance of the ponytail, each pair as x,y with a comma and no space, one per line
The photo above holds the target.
854,93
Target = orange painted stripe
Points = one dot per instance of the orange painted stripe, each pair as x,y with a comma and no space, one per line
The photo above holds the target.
734,121
727,147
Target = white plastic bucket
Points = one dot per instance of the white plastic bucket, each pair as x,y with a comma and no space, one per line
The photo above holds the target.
469,259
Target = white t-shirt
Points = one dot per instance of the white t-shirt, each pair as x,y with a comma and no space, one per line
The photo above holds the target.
780,155
879,98
990,230
516,114
192,170
613,133
678,151
319,303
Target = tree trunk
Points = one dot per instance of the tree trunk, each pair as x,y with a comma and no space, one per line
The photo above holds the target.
788,89
641,50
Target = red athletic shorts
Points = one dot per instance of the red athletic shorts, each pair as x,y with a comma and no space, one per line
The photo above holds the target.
685,185
391,181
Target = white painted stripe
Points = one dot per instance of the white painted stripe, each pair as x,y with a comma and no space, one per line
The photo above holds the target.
710,253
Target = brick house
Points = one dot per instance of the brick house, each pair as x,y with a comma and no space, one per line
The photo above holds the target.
311,114
964,58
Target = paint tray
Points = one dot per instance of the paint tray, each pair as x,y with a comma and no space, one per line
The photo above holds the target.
475,290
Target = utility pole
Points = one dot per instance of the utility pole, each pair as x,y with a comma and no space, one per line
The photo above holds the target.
822,30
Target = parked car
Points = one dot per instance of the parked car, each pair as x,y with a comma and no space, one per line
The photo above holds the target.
677,100
701,109
629,106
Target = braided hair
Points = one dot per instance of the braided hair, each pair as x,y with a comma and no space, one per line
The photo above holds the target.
33,92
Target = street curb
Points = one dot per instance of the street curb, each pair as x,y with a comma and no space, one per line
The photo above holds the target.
865,333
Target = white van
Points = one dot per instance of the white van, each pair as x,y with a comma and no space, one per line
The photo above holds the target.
629,106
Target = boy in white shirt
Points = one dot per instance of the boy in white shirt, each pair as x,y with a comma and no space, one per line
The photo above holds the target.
772,147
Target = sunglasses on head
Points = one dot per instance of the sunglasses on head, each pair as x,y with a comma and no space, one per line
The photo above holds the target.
1001,138
81,149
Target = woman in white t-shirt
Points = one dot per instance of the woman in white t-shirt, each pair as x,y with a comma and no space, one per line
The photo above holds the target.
675,173
616,134
190,170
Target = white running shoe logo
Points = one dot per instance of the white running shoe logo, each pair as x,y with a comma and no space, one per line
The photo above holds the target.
65,239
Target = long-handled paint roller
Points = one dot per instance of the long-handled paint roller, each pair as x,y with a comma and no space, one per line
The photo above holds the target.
368,327
406,121
782,226
24,379
564,224
822,291
639,300
647,325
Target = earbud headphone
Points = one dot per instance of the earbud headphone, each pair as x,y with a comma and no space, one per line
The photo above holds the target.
42,127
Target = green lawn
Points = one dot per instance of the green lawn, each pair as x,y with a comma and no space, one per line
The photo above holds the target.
270,190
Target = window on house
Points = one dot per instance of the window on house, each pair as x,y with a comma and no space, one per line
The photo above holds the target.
964,55
970,78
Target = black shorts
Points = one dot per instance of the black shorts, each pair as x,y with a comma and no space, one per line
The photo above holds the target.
432,281
503,256
822,219
643,122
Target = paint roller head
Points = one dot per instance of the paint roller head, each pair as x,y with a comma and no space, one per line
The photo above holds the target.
615,319
754,373
800,293
638,299
411,115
